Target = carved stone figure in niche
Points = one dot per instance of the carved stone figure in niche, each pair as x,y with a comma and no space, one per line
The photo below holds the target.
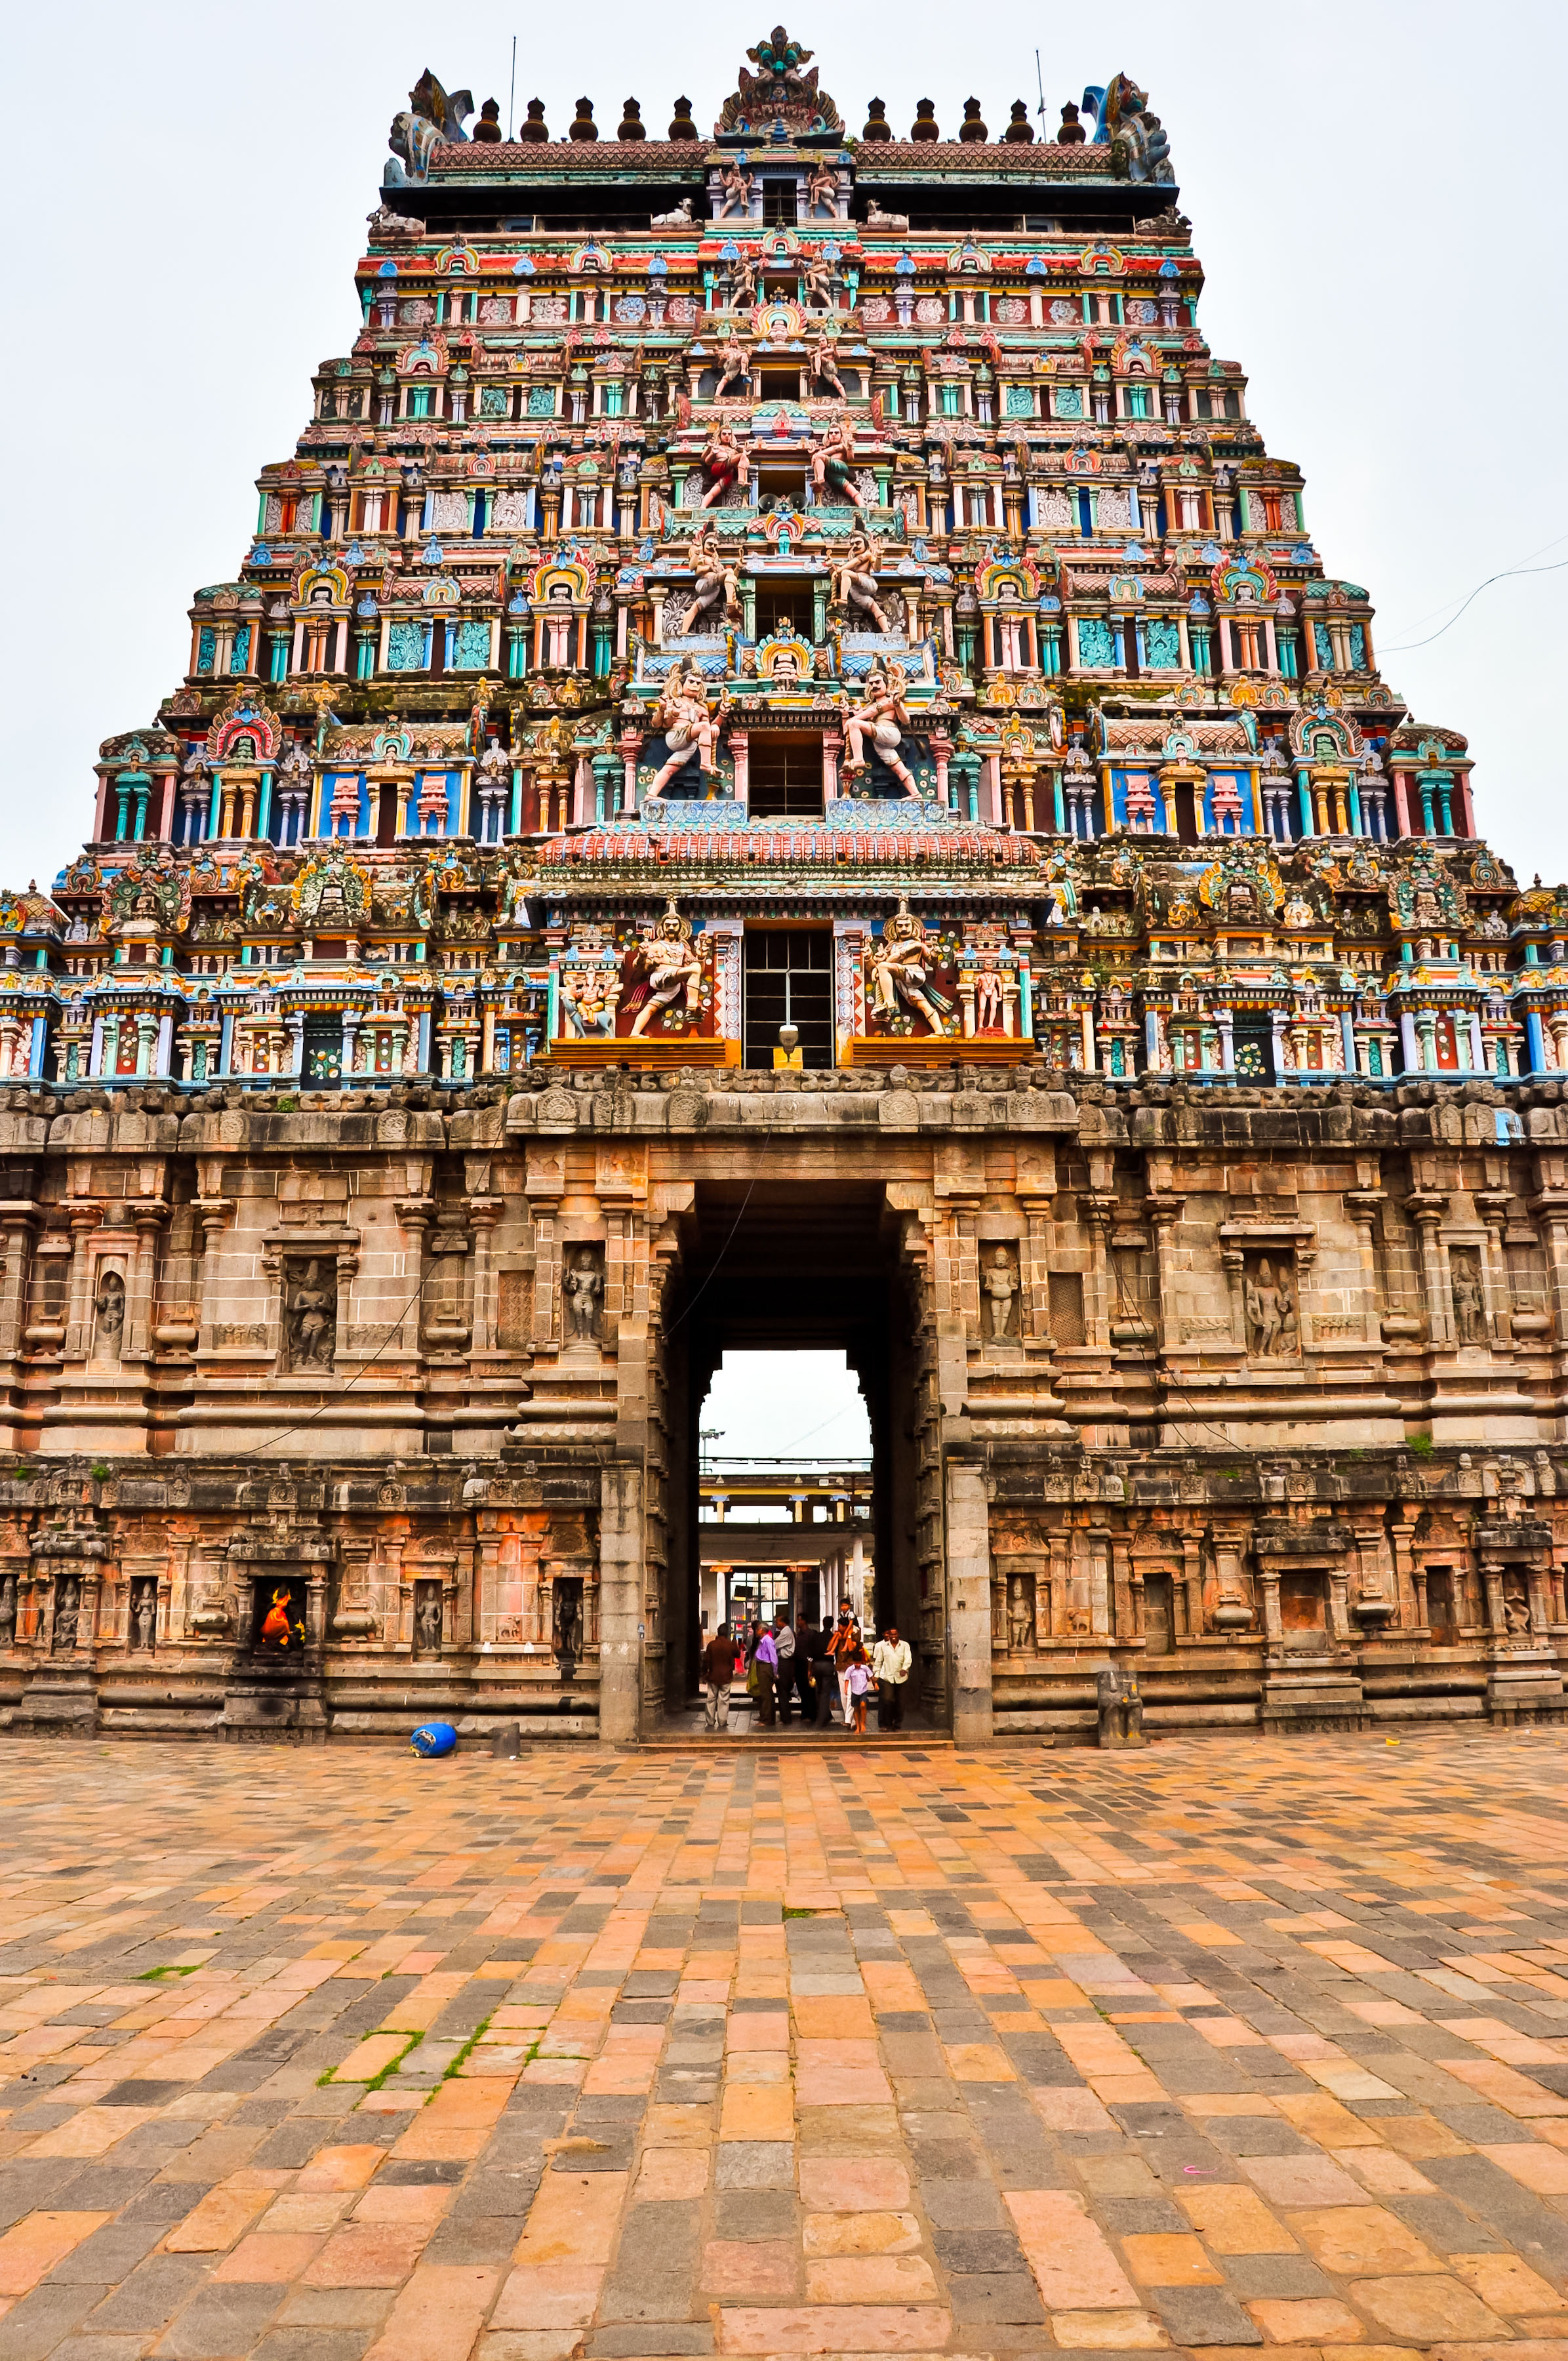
1516,1614
310,1318
999,1285
67,1608
832,458
1469,1301
1273,1326
1020,1611
283,1627
8,1612
427,1619
143,1613
109,1305
566,1640
583,1286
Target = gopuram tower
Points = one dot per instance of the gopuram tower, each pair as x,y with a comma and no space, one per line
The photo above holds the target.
783,768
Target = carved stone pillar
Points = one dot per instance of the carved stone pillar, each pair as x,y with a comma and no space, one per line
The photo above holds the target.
484,1213
1426,1208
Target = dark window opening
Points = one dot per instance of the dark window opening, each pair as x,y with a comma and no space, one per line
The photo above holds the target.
783,607
782,486
789,980
1188,815
778,384
784,778
779,200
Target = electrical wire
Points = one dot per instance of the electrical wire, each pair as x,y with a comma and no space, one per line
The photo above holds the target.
273,1440
1539,551
1507,575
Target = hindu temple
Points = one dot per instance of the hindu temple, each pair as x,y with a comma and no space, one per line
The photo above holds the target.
782,769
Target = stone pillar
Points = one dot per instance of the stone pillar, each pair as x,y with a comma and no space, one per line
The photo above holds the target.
969,1602
1426,1208
620,1604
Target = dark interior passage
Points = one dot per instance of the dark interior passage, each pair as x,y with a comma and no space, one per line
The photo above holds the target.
781,1267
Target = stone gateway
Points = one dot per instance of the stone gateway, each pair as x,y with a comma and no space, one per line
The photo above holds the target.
782,769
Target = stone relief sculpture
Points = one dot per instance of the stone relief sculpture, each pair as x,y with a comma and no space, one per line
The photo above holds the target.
1273,1327
999,1286
67,1610
582,1286
109,1306
1469,1299
310,1320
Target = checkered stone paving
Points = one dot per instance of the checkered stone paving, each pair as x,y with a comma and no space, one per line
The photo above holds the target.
316,2056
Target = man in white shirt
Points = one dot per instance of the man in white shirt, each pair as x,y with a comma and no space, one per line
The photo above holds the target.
890,1670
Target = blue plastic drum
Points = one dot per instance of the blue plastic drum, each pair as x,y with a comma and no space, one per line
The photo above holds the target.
433,1738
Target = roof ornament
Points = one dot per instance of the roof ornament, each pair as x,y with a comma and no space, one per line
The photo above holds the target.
1140,150
432,114
780,90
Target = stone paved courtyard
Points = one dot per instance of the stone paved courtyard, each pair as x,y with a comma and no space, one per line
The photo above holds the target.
713,2050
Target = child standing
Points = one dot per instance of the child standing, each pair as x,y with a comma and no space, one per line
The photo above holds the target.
859,1681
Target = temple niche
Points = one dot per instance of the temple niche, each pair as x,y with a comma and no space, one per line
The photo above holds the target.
783,762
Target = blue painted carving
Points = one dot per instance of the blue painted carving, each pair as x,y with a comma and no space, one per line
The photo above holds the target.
1162,642
541,401
405,647
206,648
239,655
1019,402
1096,643
473,647
1070,402
495,402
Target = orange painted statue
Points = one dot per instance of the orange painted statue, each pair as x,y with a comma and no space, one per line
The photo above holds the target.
275,1629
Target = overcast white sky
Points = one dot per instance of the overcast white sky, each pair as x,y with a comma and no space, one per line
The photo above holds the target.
1373,185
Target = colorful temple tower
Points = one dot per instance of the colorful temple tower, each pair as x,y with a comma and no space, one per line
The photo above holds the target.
781,767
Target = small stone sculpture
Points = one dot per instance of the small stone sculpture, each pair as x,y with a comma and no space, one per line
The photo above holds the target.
584,1289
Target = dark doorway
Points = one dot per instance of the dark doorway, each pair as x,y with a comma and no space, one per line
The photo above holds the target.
779,385
789,980
1301,1610
1442,1607
1160,1635
778,1267
783,776
1189,812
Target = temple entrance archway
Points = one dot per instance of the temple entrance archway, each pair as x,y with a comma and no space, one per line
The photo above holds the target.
785,1268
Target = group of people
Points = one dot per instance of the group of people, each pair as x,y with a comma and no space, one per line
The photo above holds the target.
780,1664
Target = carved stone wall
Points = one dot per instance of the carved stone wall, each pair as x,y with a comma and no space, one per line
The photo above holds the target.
1259,1395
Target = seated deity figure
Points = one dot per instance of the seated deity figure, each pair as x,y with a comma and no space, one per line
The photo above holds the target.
736,185
882,717
689,728
854,580
733,362
726,465
832,463
717,581
821,188
822,365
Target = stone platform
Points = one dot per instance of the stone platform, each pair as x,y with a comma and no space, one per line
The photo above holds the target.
935,2051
